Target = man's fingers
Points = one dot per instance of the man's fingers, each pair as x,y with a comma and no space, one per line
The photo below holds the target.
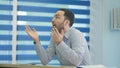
56,30
62,32
57,37
27,28
34,29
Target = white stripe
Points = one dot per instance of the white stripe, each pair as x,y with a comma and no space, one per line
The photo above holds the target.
80,25
82,16
5,52
28,62
24,42
6,42
41,33
14,33
27,52
78,7
42,4
5,62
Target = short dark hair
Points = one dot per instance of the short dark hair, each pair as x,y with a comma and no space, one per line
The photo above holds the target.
69,15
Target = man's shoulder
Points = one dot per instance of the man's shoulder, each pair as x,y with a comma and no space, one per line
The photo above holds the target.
74,30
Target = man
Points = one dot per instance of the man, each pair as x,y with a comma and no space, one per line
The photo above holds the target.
66,42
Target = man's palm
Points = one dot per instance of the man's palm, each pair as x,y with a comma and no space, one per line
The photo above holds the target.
32,33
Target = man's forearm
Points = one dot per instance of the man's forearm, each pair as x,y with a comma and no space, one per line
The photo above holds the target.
73,57
41,53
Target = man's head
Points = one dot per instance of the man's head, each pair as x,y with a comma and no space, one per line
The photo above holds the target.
69,15
63,19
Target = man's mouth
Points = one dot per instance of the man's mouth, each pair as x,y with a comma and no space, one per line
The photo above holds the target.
53,24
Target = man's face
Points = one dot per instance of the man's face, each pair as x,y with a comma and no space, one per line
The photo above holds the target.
58,20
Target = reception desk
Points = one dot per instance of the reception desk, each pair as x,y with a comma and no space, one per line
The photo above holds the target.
31,66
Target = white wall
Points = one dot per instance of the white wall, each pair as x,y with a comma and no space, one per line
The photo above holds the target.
105,42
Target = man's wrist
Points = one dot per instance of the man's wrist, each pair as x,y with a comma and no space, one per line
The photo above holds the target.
59,42
35,42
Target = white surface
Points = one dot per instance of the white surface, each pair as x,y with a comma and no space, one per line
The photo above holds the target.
94,66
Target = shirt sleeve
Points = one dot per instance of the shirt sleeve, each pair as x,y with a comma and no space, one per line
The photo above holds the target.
75,54
45,55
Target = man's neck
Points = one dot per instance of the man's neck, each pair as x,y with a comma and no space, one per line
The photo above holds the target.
66,29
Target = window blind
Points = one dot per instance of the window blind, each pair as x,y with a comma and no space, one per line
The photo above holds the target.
5,31
38,14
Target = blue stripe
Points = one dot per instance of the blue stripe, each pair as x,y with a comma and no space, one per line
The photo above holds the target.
5,57
25,47
27,57
30,57
86,21
47,19
20,47
87,30
87,38
38,28
34,18
48,28
49,10
6,27
28,47
6,7
26,37
67,2
6,37
36,9
46,38
5,17
5,47
78,11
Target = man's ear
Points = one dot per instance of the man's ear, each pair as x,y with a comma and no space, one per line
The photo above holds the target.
67,22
